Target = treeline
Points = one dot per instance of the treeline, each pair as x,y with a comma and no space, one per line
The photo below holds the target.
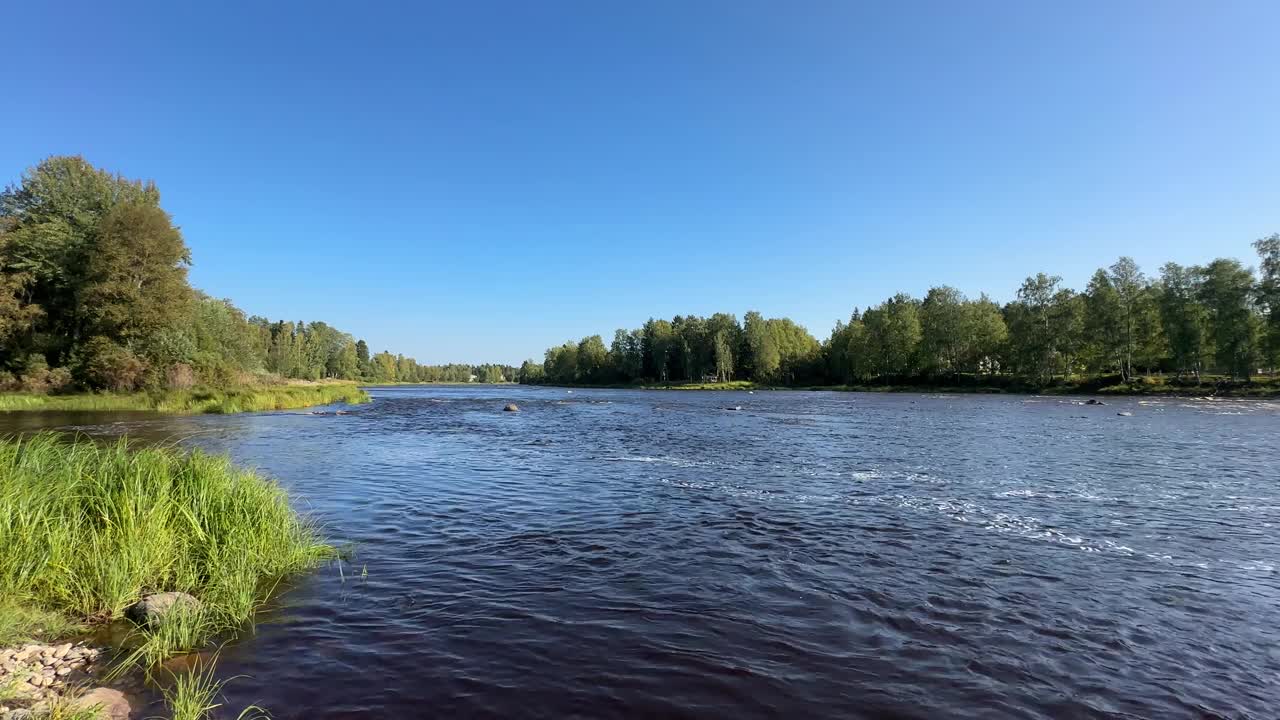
94,294
1217,318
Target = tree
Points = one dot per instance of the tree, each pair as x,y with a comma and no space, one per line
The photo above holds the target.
724,357
1227,289
943,333
1042,324
1103,341
1269,294
1132,303
17,315
135,284
762,348
1183,317
561,364
52,220
893,335
593,360
987,334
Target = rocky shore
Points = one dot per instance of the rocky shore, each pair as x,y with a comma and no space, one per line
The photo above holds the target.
35,678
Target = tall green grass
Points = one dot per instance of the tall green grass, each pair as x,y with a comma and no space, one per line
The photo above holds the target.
197,693
88,529
195,401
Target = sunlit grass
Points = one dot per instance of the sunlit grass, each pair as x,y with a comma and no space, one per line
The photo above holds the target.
88,529
195,401
197,693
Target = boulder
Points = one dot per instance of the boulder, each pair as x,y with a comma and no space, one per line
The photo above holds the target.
1094,401
154,607
110,704
1125,414
511,407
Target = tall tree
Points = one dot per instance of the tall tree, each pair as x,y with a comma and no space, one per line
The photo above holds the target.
1269,294
135,282
53,219
944,334
1227,292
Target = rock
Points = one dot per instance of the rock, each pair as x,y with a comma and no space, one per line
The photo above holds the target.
111,704
511,407
154,607
62,650
63,671
1094,401
1125,414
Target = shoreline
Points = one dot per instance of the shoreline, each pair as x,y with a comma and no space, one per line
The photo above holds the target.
232,537
1269,388
196,401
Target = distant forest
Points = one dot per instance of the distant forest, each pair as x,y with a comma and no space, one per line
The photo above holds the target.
1217,318
94,295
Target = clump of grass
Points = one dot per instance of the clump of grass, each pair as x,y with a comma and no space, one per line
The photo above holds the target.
195,401
88,529
24,623
196,694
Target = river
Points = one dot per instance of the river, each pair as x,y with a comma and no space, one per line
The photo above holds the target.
649,554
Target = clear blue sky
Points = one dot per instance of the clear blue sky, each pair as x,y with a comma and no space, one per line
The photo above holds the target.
472,181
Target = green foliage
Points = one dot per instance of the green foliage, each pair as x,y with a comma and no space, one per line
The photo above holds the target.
195,401
197,693
87,529
93,281
1192,320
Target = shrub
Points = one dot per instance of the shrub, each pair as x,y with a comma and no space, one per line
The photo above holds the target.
180,377
104,365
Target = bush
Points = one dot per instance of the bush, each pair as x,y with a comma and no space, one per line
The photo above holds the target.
37,378
103,365
180,377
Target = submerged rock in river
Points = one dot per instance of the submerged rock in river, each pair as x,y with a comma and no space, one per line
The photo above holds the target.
154,607
110,704
512,407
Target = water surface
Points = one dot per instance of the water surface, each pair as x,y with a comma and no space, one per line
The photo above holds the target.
607,554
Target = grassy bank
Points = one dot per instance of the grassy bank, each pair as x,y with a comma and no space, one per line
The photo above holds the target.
86,530
1208,386
195,401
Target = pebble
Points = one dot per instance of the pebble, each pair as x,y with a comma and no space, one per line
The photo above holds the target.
38,674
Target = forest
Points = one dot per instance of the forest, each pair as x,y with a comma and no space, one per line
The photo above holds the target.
1222,318
94,295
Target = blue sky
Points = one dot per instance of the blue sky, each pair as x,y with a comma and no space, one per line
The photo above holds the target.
476,181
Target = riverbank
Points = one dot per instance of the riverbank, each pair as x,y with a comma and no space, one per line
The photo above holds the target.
185,545
1110,386
195,401
437,384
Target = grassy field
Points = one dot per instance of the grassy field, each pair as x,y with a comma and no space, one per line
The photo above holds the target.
195,401
87,529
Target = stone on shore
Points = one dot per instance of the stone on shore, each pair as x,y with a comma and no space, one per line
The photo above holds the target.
153,608
111,704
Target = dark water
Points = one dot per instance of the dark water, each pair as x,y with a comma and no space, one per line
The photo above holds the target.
651,555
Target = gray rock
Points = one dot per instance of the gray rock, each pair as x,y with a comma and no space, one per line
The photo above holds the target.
111,704
152,608
1125,414
512,407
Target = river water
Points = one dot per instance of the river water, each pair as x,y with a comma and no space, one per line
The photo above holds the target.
634,554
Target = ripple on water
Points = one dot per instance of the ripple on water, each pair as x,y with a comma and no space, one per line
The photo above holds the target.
622,554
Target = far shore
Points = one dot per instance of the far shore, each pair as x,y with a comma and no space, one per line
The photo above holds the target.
1268,387
194,401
